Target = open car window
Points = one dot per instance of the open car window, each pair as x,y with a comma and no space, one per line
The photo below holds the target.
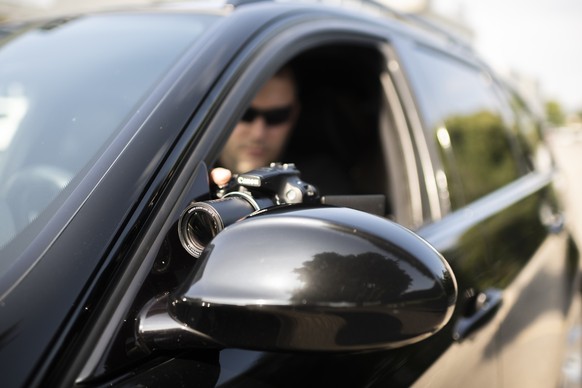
337,142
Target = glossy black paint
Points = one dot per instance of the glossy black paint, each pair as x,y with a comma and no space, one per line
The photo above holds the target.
70,321
323,279
95,229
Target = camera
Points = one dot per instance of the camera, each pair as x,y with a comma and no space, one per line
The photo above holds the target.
278,184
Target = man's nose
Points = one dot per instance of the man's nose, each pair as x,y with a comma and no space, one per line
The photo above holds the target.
258,127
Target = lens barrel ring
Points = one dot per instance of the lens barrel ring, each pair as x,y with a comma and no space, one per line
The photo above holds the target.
201,221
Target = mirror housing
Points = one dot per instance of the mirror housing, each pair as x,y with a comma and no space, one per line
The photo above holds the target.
297,278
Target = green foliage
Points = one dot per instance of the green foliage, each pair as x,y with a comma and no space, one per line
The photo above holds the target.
555,113
482,153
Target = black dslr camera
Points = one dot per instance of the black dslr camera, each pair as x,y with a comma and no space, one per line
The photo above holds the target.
258,189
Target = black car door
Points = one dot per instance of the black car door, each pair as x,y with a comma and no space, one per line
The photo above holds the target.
516,274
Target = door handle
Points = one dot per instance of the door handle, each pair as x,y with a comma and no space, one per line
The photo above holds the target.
552,219
557,223
483,307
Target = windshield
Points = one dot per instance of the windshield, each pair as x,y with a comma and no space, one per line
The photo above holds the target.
66,87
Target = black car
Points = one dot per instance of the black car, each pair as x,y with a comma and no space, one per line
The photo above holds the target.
440,257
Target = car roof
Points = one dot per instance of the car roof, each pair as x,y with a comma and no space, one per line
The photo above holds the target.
409,23
372,8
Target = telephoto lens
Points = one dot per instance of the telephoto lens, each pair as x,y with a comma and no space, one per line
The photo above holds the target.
258,189
201,221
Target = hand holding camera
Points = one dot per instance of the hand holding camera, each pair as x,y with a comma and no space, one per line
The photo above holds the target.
278,184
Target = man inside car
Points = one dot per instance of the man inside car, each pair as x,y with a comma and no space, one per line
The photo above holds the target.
261,134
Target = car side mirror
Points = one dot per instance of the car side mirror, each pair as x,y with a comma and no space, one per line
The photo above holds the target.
307,279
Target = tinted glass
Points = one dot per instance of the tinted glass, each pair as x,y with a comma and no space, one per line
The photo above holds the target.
65,89
467,123
529,133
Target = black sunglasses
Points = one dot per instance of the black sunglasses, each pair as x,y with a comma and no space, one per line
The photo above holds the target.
272,117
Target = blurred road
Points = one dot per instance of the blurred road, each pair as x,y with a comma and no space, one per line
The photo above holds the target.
567,147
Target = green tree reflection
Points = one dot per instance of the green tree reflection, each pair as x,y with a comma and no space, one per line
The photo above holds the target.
555,114
482,154
361,279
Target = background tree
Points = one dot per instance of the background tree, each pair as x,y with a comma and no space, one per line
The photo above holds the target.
555,113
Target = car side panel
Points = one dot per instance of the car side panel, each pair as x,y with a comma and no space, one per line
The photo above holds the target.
526,258
530,252
460,237
523,255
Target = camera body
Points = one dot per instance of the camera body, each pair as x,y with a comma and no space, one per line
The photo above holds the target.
278,184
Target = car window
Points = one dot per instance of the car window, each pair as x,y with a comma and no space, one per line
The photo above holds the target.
468,124
60,102
337,136
528,131
333,135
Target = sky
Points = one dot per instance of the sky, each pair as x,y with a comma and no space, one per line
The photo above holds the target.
539,39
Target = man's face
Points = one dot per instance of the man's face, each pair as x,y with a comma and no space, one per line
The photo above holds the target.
259,138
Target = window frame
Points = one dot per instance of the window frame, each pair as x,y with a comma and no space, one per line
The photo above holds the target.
439,154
